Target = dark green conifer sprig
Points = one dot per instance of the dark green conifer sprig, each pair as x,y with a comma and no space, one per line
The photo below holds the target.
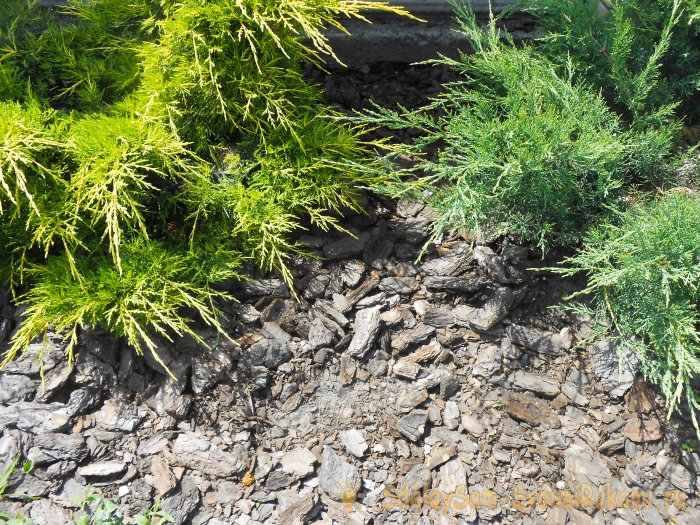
643,270
523,149
643,264
644,55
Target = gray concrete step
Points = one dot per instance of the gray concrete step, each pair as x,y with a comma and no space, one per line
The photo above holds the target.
395,39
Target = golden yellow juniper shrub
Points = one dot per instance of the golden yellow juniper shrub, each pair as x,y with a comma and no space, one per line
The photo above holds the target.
150,146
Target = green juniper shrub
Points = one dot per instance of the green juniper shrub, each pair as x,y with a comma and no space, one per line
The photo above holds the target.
148,147
643,270
644,57
522,148
621,46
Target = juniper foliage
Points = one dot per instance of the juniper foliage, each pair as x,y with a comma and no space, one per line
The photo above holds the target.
543,142
150,146
643,54
521,148
643,271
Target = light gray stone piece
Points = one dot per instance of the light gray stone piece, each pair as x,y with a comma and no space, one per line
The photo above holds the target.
537,340
298,462
582,466
490,314
337,477
14,388
354,442
537,383
194,451
412,426
399,285
102,469
488,361
366,326
35,417
679,476
182,504
319,335
404,339
454,263
614,367
62,447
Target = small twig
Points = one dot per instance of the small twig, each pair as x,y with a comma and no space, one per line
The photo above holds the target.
261,419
